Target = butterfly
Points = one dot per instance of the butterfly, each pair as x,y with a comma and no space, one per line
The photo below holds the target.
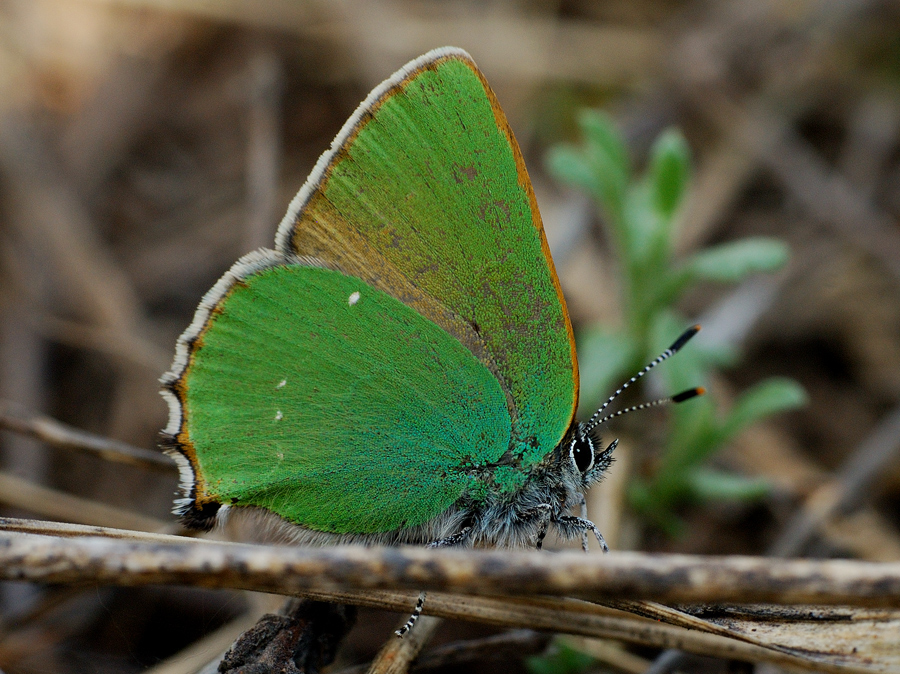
401,368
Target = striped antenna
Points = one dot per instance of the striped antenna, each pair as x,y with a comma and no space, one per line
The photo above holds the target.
596,420
679,398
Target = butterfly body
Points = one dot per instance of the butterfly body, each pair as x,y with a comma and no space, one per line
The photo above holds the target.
401,367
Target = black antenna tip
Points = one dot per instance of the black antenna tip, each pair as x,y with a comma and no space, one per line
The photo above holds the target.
687,395
685,336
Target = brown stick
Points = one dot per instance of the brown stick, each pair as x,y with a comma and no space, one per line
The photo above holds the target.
665,628
590,620
873,456
396,656
619,575
56,504
14,418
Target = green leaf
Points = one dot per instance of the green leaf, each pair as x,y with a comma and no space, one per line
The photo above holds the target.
639,495
766,398
707,485
656,505
731,262
670,167
603,358
605,152
560,659
603,134
569,165
641,214
590,172
641,226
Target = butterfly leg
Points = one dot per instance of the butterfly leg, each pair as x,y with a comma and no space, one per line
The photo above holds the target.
417,611
542,514
583,525
451,540
584,516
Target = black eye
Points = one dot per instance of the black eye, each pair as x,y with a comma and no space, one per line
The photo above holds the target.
582,453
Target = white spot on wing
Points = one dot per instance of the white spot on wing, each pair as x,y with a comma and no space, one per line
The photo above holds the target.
279,416
353,299
249,264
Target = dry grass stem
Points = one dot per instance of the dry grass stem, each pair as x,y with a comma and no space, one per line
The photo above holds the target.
14,418
64,529
733,634
396,656
861,469
288,570
844,643
46,502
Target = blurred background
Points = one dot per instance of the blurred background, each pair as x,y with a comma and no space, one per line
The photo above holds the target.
146,144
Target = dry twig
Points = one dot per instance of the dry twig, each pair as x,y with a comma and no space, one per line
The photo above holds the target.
396,656
46,502
861,469
15,418
787,642
290,570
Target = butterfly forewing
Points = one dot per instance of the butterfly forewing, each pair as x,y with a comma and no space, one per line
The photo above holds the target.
425,196
332,404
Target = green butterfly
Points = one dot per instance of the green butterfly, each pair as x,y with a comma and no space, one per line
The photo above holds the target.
401,368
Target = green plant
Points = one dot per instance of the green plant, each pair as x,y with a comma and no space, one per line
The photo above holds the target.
641,216
559,659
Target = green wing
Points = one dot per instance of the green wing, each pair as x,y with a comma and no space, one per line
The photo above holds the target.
373,413
326,401
425,196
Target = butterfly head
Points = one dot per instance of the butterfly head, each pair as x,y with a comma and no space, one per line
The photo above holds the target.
583,452
586,455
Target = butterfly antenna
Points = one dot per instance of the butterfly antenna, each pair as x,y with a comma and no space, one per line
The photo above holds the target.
678,398
596,419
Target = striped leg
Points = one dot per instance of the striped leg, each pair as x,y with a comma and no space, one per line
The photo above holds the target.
454,539
417,611
582,526
584,516
544,519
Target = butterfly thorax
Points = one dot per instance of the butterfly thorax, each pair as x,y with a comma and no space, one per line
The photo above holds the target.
548,492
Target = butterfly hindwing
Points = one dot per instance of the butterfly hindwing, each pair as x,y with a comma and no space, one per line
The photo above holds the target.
321,399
